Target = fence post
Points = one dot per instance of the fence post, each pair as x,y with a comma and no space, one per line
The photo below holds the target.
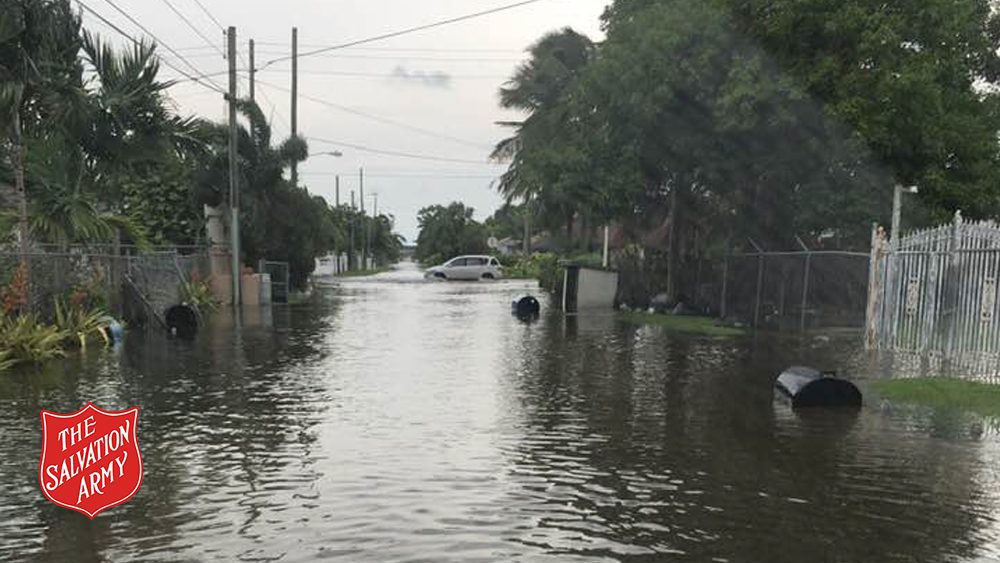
805,284
951,275
725,281
760,283
875,290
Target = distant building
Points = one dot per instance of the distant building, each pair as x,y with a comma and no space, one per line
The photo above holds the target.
330,265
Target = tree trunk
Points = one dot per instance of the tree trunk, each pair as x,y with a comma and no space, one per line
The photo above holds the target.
570,219
22,196
673,248
527,228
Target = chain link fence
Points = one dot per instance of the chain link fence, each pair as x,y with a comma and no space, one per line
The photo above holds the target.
125,283
796,290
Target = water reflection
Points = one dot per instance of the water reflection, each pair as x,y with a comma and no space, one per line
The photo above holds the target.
396,420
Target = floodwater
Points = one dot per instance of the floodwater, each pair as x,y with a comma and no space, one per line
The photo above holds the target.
398,420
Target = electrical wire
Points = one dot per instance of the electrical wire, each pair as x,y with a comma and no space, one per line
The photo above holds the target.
210,16
403,49
194,28
415,176
379,119
166,62
274,109
165,45
400,154
390,75
405,31
418,58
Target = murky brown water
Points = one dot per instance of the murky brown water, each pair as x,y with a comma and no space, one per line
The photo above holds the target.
408,421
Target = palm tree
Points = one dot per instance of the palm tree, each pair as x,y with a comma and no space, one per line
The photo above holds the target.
541,87
64,207
127,124
261,166
39,79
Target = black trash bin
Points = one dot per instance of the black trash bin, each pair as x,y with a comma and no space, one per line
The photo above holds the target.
806,387
526,308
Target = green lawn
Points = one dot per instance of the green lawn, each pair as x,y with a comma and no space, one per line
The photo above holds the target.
979,398
678,323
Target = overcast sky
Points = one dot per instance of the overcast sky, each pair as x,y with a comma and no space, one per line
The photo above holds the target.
437,87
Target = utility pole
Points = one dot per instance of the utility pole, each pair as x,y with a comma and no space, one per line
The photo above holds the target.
364,221
337,197
234,199
253,74
295,98
351,254
371,231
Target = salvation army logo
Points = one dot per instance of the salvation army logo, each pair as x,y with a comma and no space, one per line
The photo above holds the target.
90,459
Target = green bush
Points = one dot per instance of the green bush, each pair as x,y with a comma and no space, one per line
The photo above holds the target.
544,267
78,323
199,294
6,361
25,339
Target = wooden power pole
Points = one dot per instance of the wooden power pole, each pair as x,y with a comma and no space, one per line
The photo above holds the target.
234,196
253,74
295,98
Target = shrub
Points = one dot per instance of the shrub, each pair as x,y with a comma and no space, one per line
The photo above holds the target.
25,339
199,294
78,323
14,296
544,267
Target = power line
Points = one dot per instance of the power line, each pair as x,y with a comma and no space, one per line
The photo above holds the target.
377,118
165,45
210,16
390,75
166,62
419,58
519,52
385,58
405,175
363,148
193,28
406,31
405,49
274,110
363,74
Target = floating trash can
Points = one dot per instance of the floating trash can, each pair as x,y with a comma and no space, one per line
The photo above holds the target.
182,321
526,308
806,387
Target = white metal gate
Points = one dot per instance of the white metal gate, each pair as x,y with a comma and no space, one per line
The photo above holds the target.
934,294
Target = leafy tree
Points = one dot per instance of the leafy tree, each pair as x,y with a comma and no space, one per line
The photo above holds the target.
903,77
449,231
507,222
547,155
40,76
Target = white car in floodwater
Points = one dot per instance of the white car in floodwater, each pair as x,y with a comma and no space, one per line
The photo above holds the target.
467,268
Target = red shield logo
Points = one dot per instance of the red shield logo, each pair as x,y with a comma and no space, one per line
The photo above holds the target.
90,459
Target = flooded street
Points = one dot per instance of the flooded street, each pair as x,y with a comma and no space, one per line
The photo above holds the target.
402,420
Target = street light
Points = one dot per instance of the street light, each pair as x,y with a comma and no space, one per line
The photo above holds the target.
897,207
336,154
